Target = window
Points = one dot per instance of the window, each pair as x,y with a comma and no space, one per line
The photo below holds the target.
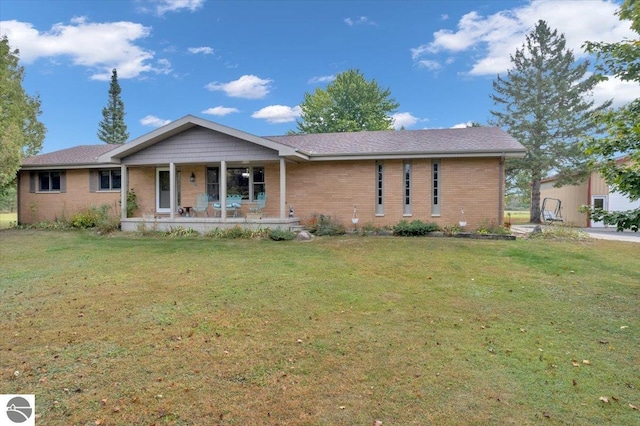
406,207
49,181
436,189
245,181
213,183
109,180
379,188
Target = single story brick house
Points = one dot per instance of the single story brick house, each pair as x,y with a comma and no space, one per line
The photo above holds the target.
382,177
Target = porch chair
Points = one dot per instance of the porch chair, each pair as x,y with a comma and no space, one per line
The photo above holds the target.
234,202
202,202
261,200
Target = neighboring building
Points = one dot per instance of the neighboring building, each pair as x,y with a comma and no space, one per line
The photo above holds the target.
386,175
593,192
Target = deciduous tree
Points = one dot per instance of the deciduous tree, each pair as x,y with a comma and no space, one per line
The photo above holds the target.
621,59
349,104
112,128
21,133
543,104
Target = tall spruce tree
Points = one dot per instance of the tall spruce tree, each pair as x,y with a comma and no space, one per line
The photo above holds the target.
112,129
545,106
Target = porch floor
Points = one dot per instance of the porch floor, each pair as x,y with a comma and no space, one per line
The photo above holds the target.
204,224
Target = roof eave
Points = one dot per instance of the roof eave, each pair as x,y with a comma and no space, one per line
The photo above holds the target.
406,155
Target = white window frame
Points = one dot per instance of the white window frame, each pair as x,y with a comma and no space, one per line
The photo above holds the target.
407,188
436,187
379,188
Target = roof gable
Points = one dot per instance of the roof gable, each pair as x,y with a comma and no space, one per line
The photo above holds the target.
186,123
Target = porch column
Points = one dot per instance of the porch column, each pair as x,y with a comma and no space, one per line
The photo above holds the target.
283,189
124,190
172,190
223,189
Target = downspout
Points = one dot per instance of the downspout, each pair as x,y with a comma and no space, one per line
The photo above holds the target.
501,190
18,197
589,199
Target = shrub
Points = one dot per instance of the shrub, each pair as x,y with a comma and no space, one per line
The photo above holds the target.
181,232
491,228
325,225
95,217
281,235
236,233
414,228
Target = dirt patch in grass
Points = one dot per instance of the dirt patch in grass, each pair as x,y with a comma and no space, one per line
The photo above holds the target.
347,330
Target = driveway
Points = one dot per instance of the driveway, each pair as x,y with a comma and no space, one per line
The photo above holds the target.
612,234
597,233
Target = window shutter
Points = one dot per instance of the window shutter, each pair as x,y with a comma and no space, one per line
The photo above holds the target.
33,176
93,180
63,181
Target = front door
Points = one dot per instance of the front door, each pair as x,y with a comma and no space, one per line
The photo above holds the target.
598,202
163,191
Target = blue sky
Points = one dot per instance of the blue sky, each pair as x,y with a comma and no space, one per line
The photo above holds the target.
247,64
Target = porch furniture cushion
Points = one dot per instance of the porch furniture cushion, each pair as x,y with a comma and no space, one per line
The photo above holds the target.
202,202
234,202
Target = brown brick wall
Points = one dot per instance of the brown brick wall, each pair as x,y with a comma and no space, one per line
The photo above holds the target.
45,206
329,188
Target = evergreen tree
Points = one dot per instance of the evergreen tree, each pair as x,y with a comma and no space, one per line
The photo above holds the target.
112,128
544,106
621,59
349,104
21,134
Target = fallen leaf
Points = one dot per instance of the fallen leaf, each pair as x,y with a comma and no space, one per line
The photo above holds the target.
116,409
547,415
377,423
575,383
604,399
633,407
586,362
103,401
575,363
98,422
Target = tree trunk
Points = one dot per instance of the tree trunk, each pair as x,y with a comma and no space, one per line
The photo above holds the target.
534,212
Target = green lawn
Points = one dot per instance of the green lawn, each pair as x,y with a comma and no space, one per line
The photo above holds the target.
124,330
6,219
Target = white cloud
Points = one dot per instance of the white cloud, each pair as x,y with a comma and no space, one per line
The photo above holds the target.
247,86
322,79
494,38
444,17
403,119
429,64
220,111
205,50
462,125
621,92
153,121
361,20
97,46
160,7
278,113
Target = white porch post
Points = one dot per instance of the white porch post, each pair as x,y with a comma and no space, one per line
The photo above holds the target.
283,189
223,189
124,190
172,190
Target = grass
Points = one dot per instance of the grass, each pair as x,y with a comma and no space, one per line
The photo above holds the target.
126,330
518,217
6,219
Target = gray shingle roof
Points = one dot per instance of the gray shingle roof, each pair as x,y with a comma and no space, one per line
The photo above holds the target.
430,141
78,155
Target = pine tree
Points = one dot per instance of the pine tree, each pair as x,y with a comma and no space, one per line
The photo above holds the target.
545,107
112,129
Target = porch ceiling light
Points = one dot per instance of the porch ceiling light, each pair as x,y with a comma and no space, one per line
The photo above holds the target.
192,179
